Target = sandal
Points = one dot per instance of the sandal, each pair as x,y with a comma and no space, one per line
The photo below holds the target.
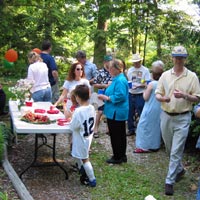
96,135
137,150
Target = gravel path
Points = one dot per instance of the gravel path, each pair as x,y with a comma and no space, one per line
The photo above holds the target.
49,183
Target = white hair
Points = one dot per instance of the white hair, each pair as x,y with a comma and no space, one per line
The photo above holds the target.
158,63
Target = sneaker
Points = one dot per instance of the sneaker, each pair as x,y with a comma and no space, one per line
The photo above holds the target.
112,160
93,183
169,189
84,180
96,135
180,175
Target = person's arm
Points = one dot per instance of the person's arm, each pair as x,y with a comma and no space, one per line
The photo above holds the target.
179,94
100,85
55,75
62,96
147,92
67,113
54,69
161,98
94,71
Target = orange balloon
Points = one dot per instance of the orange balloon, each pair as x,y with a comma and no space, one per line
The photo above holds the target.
11,55
38,51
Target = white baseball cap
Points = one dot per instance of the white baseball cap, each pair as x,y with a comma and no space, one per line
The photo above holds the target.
179,51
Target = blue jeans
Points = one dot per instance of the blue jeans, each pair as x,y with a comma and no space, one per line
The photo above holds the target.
136,104
42,95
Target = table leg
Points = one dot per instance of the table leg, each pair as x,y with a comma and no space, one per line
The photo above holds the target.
44,142
35,156
54,156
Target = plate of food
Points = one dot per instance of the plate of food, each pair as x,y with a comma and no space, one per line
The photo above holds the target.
36,118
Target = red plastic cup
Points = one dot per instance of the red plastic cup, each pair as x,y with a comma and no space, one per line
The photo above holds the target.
29,103
51,107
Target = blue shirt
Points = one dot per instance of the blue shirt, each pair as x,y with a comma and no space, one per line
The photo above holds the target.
90,70
51,64
117,108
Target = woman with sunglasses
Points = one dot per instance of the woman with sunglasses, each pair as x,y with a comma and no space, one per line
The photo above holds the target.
75,77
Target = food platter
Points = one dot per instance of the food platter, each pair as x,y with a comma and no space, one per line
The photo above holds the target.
33,118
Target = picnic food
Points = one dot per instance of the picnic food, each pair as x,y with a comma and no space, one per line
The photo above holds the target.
35,118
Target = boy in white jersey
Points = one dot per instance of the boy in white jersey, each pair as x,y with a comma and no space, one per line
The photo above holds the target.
82,127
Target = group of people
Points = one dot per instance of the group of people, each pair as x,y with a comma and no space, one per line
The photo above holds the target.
162,100
164,105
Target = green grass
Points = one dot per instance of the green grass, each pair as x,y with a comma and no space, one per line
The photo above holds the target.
144,174
136,180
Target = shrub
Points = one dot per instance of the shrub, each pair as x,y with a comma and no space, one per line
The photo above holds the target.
4,138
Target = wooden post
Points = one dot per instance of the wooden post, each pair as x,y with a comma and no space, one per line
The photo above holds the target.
16,181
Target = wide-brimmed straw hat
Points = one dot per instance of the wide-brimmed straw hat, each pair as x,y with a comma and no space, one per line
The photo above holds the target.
136,58
179,51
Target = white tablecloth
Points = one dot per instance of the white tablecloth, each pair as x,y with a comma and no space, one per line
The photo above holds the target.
21,127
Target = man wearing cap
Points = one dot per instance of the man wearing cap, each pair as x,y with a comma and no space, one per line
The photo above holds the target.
102,81
138,75
178,88
89,68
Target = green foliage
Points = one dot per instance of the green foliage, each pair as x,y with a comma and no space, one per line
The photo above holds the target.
95,26
3,196
4,137
194,127
1,145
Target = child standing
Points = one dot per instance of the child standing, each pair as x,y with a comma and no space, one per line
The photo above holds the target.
82,127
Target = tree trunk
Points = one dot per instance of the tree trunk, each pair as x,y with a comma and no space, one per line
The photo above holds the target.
100,36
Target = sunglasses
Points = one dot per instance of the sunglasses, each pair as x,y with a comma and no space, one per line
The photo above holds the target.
78,69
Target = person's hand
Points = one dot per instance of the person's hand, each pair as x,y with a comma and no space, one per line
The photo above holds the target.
178,94
166,99
103,97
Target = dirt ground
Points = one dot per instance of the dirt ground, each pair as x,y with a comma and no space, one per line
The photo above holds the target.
39,180
49,183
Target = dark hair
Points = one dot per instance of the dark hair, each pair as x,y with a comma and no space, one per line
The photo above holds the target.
71,75
80,54
46,45
82,91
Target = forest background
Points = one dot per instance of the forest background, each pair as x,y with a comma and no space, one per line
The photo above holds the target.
119,27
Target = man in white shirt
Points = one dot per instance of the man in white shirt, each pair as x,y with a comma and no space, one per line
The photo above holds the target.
138,75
